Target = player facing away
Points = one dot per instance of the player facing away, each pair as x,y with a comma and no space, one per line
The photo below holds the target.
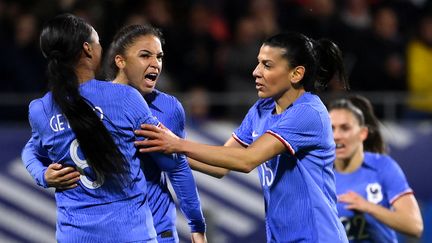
374,196
88,124
287,135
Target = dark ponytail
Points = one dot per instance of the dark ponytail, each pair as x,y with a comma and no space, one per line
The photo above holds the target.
330,65
321,59
61,42
374,141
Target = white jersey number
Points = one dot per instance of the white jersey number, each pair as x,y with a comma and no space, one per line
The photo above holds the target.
81,165
267,175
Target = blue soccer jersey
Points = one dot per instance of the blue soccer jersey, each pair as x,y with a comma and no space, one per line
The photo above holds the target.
170,112
379,180
298,185
99,209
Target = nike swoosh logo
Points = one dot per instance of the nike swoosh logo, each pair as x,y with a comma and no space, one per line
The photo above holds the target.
254,134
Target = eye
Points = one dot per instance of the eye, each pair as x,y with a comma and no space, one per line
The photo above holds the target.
144,55
160,57
345,128
266,65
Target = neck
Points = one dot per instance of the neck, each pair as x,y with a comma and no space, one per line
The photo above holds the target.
120,79
351,164
84,73
287,99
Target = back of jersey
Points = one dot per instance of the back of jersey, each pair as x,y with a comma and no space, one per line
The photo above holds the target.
98,202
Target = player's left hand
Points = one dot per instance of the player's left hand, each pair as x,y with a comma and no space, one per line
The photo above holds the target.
159,139
354,201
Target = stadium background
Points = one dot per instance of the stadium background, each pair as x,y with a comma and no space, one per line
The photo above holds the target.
210,52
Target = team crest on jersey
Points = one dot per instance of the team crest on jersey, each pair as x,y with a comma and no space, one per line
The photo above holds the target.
374,193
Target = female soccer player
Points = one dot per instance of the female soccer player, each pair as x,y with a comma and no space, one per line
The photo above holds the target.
287,135
135,58
89,124
374,196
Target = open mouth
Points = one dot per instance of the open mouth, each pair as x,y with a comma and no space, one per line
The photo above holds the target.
339,145
151,76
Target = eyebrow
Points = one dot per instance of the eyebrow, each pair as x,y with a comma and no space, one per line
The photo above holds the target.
145,50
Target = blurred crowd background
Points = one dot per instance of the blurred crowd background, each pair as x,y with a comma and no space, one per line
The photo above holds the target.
211,47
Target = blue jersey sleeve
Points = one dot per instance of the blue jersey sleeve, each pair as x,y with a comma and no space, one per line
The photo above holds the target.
181,176
136,109
34,156
393,179
183,183
299,128
35,160
180,118
243,134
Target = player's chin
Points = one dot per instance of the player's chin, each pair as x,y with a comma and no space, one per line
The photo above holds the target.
146,89
341,156
262,94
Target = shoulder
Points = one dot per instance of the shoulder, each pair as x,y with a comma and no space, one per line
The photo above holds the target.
308,109
262,105
41,110
310,102
167,101
119,88
378,161
39,106
166,97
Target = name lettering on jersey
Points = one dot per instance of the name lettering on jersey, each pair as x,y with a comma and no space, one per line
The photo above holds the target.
374,193
59,122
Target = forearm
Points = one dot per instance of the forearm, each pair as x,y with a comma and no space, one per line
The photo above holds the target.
406,222
238,159
34,164
215,171
37,171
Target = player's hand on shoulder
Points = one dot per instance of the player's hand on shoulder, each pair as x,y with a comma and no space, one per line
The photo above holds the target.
158,139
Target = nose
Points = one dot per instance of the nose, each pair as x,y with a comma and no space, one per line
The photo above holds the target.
336,134
155,62
256,72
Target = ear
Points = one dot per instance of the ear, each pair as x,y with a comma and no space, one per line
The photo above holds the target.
120,61
297,74
87,49
364,133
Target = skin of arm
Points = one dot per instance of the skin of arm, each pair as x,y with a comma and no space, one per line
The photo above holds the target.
405,216
232,158
198,237
217,172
